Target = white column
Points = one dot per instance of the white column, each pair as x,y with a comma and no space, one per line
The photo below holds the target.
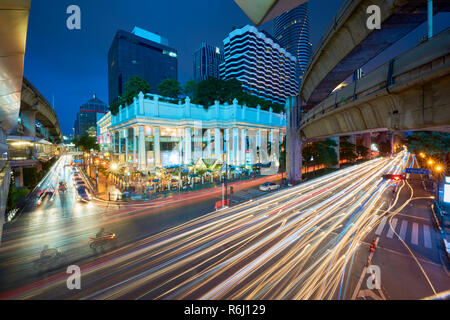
235,147
120,143
243,145
141,150
217,149
275,143
125,133
157,147
208,143
228,145
134,145
180,146
187,145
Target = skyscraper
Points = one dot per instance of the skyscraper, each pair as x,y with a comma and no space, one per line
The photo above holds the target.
256,59
291,29
207,59
139,53
86,121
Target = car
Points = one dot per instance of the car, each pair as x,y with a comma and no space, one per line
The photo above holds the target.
269,186
47,193
82,194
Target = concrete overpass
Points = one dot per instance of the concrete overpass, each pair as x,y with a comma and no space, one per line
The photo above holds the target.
348,44
411,92
35,107
13,34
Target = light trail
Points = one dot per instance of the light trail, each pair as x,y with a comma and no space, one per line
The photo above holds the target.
293,244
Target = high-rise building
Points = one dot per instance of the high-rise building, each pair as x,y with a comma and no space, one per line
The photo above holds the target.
207,59
264,68
139,53
86,121
291,29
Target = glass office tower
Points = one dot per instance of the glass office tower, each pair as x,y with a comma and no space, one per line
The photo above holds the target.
86,122
206,62
291,29
139,53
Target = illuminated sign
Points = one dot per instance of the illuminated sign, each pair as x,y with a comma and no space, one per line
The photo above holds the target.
447,179
447,193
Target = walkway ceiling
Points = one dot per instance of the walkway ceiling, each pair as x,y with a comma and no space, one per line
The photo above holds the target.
13,33
261,11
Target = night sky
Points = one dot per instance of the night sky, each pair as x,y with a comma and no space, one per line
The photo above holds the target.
69,66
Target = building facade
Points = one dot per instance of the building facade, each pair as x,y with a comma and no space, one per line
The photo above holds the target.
207,60
291,29
86,121
151,134
265,68
139,53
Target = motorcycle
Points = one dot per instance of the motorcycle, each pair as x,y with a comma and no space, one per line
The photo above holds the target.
94,243
52,260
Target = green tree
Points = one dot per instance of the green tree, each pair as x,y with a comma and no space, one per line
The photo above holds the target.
430,142
320,153
347,150
132,87
169,88
86,143
189,88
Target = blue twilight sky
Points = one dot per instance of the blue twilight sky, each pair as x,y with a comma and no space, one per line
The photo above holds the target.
69,66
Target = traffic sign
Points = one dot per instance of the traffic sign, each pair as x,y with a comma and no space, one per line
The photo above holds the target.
417,171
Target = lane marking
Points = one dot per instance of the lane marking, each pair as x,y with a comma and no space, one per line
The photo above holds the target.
403,228
393,224
427,236
415,233
381,226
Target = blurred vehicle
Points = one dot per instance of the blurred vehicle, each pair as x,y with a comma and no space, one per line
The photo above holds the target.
101,239
46,193
62,186
49,259
82,194
269,186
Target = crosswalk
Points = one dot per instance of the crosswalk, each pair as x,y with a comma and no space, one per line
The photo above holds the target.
411,232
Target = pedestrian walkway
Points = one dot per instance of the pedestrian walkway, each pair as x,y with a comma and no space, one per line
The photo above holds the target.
417,234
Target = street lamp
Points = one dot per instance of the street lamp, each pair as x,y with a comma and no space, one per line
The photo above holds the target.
430,162
438,170
422,155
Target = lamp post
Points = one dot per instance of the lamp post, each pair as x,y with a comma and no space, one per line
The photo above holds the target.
438,170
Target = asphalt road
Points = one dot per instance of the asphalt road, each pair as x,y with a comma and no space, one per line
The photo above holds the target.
299,243
66,224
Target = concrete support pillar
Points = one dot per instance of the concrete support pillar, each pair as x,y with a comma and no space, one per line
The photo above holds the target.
336,140
157,147
391,141
141,150
243,145
187,145
28,118
18,177
367,142
293,142
217,140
